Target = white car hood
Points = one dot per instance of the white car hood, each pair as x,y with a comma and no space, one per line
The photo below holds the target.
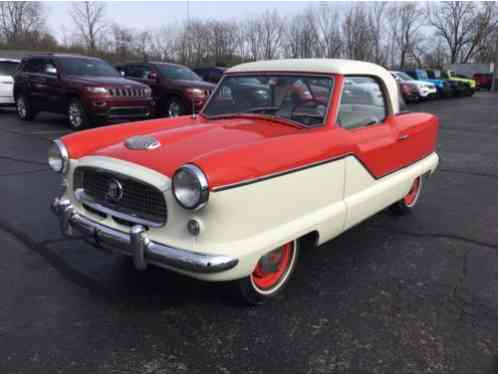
6,79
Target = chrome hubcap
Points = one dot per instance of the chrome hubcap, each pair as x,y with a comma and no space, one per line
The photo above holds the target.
75,117
174,109
21,107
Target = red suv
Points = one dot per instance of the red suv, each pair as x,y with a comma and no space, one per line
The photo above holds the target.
88,90
176,89
483,80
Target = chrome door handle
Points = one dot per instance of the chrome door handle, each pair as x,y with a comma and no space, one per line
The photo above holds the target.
403,137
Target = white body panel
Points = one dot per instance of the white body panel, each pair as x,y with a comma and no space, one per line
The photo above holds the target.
248,221
6,90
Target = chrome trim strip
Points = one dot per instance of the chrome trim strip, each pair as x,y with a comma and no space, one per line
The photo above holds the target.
85,199
137,244
64,154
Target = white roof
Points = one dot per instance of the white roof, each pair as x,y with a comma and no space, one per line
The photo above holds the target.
10,60
327,66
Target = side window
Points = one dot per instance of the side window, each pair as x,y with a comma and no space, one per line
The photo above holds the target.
48,67
362,103
34,66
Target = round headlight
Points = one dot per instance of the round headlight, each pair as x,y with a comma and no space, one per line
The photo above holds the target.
58,157
190,187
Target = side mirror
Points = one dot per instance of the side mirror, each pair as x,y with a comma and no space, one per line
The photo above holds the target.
152,76
51,70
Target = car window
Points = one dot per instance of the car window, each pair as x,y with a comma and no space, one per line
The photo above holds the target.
362,103
297,98
403,76
48,67
8,68
34,66
137,71
177,72
77,66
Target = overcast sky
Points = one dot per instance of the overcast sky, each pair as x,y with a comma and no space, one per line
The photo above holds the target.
153,14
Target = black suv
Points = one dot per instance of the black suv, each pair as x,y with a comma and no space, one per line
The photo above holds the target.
88,90
176,89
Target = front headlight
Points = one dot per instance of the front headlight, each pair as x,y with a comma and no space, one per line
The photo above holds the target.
98,90
197,92
190,187
148,91
58,157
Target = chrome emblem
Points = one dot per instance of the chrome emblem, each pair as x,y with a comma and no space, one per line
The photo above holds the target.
142,142
114,191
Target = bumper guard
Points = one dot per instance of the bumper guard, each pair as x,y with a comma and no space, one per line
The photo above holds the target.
137,245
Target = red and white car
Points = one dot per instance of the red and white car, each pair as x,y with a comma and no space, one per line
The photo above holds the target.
233,193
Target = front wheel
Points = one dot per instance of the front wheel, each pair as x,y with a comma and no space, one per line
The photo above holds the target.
409,201
270,276
24,109
76,115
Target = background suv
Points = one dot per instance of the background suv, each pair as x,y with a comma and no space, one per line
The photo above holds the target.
176,89
88,90
7,70
212,74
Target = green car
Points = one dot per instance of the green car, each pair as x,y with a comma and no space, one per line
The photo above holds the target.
448,74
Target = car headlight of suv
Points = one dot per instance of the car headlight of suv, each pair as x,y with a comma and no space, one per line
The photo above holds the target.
190,187
148,92
58,157
197,92
97,90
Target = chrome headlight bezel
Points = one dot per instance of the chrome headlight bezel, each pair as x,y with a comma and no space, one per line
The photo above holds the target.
197,180
57,153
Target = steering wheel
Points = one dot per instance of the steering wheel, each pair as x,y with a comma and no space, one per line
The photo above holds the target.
304,102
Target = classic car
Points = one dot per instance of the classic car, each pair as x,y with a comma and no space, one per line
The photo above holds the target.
235,193
424,90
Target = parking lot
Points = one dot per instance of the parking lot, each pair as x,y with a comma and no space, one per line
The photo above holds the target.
395,294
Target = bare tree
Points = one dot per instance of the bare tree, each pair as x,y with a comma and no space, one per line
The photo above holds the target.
405,22
271,31
19,18
358,36
88,17
377,24
325,22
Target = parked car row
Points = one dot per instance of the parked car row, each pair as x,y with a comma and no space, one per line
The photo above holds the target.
90,91
421,84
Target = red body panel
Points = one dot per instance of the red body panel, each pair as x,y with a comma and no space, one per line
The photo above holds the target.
234,150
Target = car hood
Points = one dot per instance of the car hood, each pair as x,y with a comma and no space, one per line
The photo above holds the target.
195,84
183,140
106,81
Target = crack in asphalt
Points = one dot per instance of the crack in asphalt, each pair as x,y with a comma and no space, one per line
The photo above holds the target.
57,262
22,160
467,173
440,235
25,172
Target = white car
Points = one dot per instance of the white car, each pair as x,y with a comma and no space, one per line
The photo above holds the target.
425,89
7,69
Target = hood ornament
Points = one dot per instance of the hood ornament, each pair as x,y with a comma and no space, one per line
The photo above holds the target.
142,142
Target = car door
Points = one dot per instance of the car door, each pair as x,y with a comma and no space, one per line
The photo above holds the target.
7,69
34,83
52,86
365,119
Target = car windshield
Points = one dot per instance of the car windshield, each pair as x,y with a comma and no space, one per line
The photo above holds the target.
8,68
404,76
177,72
75,66
303,100
422,74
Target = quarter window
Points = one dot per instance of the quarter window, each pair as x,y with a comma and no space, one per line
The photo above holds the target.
362,103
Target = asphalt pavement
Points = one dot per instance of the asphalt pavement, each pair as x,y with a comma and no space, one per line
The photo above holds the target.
417,293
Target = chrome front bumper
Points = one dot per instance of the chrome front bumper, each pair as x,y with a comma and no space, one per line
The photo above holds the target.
136,244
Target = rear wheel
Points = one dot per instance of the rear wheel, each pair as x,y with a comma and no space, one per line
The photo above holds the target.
76,115
24,109
270,276
409,201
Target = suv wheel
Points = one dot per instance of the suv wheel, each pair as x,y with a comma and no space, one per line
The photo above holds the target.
77,115
24,109
174,108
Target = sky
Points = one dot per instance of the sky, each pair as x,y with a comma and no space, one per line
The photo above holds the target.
153,14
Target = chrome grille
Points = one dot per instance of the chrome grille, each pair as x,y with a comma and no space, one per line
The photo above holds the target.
127,92
140,203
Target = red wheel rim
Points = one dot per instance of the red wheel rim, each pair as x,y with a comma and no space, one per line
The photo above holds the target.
280,260
411,197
